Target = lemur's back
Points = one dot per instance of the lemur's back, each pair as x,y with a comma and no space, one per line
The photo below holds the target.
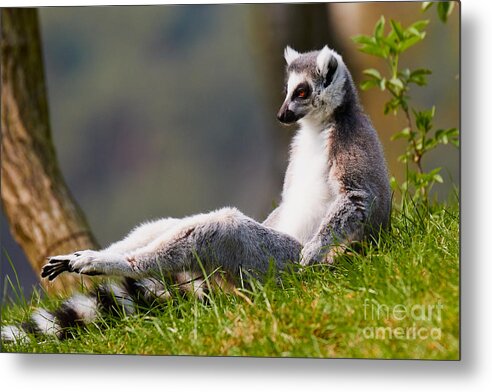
361,166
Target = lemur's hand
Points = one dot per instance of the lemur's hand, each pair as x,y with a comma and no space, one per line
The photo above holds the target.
82,262
315,253
311,253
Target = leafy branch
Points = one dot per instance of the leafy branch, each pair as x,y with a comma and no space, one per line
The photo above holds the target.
444,8
397,81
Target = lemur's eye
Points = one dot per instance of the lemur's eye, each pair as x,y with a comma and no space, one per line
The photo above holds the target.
301,92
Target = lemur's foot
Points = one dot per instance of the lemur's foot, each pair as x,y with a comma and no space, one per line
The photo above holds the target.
83,262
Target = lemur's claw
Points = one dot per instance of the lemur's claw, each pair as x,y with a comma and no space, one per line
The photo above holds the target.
56,265
82,262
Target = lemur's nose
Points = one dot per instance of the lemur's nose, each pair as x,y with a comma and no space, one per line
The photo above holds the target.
286,116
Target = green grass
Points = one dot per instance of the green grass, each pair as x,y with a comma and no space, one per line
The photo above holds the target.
347,311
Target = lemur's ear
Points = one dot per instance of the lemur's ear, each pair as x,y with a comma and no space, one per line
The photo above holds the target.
326,64
290,54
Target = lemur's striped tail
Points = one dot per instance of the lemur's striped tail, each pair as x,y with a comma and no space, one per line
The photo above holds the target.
78,310
82,309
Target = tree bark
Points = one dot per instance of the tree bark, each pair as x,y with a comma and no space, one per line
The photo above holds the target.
304,27
43,216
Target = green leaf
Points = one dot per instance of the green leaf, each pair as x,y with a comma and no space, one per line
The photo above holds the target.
434,175
423,119
419,25
409,42
392,106
430,144
421,71
453,132
382,84
434,171
374,50
391,43
444,9
369,45
395,86
438,178
368,84
404,74
419,76
454,136
363,39
404,134
445,136
393,183
379,28
397,29
397,83
413,31
426,5
441,136
373,73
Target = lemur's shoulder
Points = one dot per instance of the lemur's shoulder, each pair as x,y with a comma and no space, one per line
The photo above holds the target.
355,152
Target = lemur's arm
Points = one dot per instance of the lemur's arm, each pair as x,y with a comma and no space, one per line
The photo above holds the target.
344,223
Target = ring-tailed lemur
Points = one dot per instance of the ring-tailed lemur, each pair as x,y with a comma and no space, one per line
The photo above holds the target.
335,192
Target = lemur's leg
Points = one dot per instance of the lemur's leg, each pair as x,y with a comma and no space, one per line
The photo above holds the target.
345,223
224,239
142,235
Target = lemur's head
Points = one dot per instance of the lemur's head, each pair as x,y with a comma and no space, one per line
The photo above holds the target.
315,86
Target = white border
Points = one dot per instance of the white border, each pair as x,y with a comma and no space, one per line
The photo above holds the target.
473,373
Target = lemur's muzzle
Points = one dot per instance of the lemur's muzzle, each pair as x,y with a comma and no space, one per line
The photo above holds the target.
286,116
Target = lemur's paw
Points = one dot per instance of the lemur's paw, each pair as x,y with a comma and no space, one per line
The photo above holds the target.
315,254
89,262
82,262
56,265
311,254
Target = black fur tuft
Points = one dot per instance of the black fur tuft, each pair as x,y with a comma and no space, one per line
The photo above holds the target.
332,67
67,318
107,301
31,328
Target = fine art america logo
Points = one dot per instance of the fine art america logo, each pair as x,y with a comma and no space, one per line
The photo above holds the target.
419,320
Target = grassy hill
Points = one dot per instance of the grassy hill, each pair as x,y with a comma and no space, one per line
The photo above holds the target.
399,299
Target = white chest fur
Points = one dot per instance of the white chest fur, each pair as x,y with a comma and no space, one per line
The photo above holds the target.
309,191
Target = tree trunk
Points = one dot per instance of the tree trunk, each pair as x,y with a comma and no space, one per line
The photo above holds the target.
43,216
304,27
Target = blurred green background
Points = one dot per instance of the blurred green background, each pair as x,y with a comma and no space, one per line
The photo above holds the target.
170,110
